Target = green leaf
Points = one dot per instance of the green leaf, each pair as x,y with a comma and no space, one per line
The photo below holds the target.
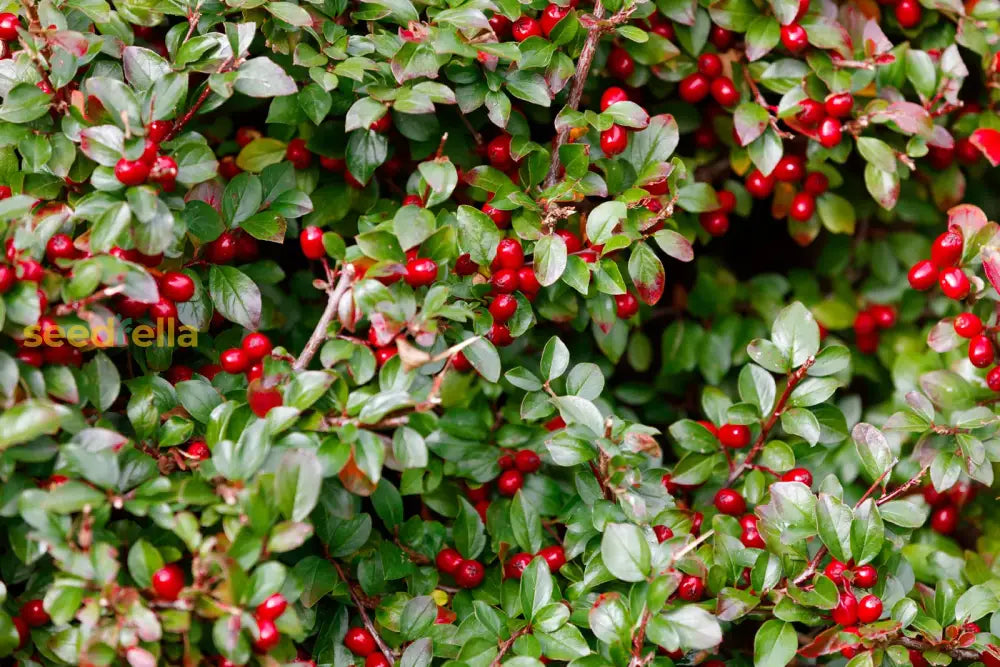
525,523
235,296
477,234
536,587
297,484
468,530
26,421
604,220
867,533
834,520
261,77
795,334
775,644
876,455
625,552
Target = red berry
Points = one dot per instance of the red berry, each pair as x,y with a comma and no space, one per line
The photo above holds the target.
460,363
626,305
470,574
721,38
789,169
846,611
803,206
555,424
816,183
694,88
477,494
751,537
177,286
448,560
8,276
23,632
9,23
710,65
222,250
839,105
131,172
199,451
573,243
908,13
614,140
966,151
794,37
60,246
611,96
162,310
359,641
552,15
297,153
716,223
734,435
869,609
498,152
525,27
663,533
691,588
947,249
509,482
727,201
179,373
514,567
168,582
464,266
503,307
500,218
620,64
311,241
954,283
725,92
830,132
554,556
527,461
729,501
33,613
499,335
940,157
376,660
272,607
917,659
336,164
810,112
501,25
981,351
885,316
412,200
385,353
798,475
864,324
923,275
383,124
228,168
420,272
944,520
993,378
758,185
835,571
865,576
246,134
527,281
509,255
504,281
233,360
262,399
256,346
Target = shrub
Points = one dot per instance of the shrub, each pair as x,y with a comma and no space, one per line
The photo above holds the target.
470,417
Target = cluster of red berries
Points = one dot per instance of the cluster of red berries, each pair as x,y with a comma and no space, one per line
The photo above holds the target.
467,573
31,615
946,506
614,140
869,322
231,246
716,222
849,610
361,643
248,357
790,169
151,165
942,267
523,462
709,78
174,286
981,349
554,556
821,121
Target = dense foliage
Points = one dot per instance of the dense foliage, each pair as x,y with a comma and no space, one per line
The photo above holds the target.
375,332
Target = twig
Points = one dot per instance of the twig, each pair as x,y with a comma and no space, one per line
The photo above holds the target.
793,379
904,488
507,643
475,134
386,651
875,485
319,333
965,654
689,548
67,308
189,114
576,92
638,640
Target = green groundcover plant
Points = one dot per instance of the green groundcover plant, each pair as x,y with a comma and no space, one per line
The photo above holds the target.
485,332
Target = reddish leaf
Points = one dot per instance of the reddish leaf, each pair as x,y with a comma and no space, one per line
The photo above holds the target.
991,265
827,642
987,140
970,219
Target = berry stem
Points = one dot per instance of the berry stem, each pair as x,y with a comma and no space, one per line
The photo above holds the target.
319,333
226,66
793,380
505,645
386,651
575,93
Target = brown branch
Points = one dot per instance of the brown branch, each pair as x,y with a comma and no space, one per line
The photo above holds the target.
319,333
505,645
965,654
638,640
355,598
793,380
904,488
189,114
576,92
